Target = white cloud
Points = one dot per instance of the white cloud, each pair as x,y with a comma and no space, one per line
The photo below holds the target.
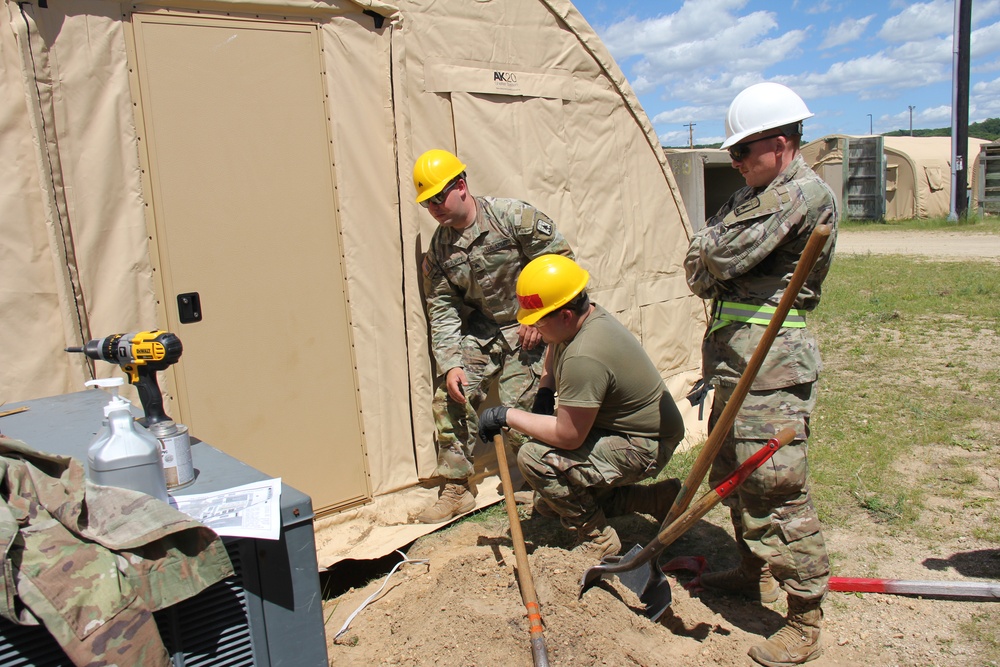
869,77
698,57
984,100
992,66
690,114
673,138
983,10
934,116
846,31
928,51
984,41
818,7
704,38
920,21
632,36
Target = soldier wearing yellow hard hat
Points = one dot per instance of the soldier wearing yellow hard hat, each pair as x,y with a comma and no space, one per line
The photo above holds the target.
470,270
616,423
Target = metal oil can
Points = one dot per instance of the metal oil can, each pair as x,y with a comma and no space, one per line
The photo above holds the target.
175,450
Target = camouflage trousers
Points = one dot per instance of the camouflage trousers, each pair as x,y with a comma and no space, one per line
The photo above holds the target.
515,374
773,508
573,482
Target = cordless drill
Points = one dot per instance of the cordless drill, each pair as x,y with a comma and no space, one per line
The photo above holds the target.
140,354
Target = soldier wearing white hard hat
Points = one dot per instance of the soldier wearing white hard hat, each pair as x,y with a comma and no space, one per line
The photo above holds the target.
742,260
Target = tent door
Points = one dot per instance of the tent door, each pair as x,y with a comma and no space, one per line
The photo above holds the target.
234,136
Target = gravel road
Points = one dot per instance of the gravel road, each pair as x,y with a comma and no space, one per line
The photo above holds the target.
937,244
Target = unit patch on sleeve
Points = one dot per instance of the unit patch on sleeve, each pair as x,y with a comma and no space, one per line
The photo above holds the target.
543,227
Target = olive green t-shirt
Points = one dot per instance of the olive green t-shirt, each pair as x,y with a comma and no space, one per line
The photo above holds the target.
604,366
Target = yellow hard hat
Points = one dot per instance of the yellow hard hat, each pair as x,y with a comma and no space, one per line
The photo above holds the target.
547,283
433,170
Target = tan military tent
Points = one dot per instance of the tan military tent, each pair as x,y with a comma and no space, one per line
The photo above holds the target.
917,172
238,173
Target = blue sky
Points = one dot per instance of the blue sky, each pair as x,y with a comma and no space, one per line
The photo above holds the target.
846,58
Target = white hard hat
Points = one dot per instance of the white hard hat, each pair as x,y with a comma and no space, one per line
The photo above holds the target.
762,106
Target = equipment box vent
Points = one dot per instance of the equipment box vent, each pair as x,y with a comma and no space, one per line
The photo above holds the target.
210,629
989,179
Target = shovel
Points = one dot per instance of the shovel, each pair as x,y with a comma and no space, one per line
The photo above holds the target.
817,239
539,653
654,589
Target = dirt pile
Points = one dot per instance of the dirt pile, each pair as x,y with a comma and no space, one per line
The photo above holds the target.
465,609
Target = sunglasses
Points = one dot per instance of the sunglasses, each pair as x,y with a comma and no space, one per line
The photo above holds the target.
439,197
739,152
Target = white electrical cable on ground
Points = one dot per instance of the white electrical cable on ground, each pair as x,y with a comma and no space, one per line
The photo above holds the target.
417,561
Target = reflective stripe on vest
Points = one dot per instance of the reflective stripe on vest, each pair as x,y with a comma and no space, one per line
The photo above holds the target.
725,312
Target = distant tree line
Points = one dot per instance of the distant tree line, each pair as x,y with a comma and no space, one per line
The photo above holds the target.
989,130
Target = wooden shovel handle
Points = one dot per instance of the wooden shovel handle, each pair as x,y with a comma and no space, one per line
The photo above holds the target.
814,246
700,508
539,652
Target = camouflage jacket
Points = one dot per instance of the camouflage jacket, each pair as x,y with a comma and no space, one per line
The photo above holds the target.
92,562
470,274
747,253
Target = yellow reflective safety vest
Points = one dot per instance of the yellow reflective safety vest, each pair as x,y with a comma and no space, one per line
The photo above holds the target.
724,312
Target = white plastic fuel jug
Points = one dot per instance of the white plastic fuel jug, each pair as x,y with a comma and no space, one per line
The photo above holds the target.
124,453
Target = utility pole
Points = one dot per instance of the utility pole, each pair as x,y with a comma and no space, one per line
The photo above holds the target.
870,131
690,127
911,119
960,109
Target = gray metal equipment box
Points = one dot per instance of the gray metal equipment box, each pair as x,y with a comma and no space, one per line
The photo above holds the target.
268,614
988,181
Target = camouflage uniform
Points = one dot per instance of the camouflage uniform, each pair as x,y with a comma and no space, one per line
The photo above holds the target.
746,254
576,483
93,562
470,277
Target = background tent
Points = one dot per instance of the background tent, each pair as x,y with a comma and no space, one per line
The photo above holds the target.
706,179
917,172
254,158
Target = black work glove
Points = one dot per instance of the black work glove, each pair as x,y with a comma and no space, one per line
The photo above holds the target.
491,421
545,402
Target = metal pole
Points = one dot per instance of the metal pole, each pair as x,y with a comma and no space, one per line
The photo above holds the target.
960,109
870,131
911,119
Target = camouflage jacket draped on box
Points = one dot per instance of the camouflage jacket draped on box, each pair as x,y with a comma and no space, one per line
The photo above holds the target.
747,253
92,562
470,274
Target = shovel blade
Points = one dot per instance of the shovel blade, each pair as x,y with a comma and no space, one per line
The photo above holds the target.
648,583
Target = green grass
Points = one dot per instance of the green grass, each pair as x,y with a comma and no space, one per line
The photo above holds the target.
903,380
971,224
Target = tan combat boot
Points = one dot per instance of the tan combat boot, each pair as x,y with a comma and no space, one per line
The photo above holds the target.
653,499
797,641
538,504
455,499
597,538
752,579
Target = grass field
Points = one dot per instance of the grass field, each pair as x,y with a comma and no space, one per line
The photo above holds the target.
910,361
972,225
910,349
